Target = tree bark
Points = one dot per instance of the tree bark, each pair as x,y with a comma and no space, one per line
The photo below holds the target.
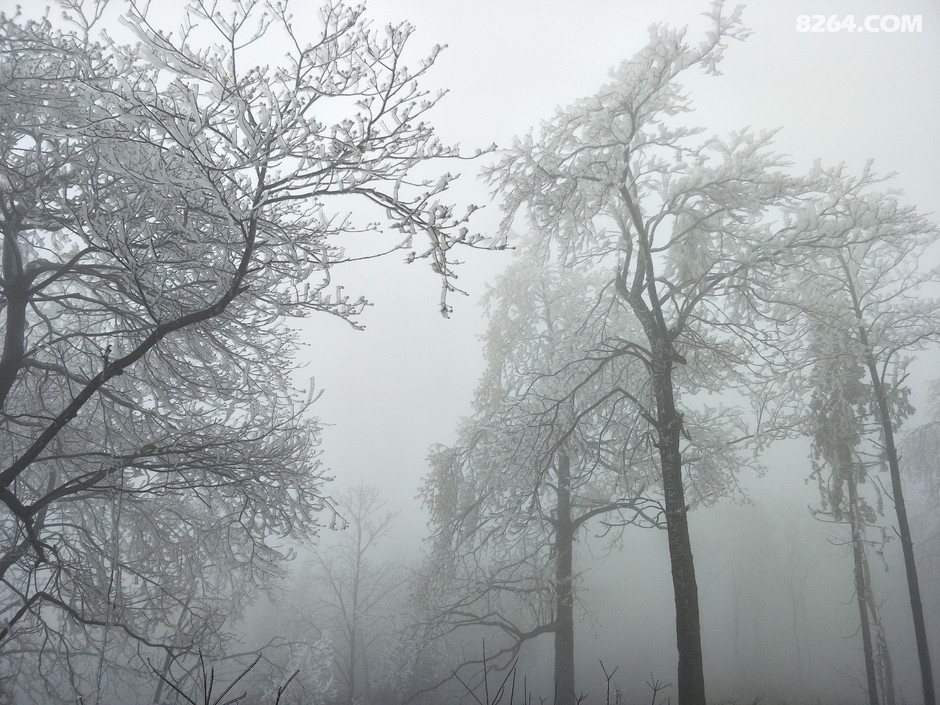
691,673
564,592
16,292
643,298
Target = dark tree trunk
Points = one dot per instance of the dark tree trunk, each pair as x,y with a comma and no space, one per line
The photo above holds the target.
564,593
691,674
904,530
644,300
16,291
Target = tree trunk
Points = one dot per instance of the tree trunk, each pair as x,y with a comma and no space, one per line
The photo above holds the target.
16,291
564,592
353,619
663,356
883,655
351,667
691,673
904,529
862,590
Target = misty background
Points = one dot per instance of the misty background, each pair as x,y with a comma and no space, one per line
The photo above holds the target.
776,590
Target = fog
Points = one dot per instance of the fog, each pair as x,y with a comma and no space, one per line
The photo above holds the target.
779,618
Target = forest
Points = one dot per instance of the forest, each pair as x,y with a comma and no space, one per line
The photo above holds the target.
260,445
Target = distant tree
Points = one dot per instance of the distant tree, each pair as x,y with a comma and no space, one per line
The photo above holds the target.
556,444
354,597
164,206
696,230
871,281
920,451
837,420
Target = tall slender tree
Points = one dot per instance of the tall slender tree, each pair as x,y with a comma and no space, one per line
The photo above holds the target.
837,428
355,594
872,281
695,230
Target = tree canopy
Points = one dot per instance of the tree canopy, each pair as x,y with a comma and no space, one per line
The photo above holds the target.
165,205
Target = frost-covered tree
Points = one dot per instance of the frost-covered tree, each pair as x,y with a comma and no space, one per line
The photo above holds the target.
543,454
347,596
843,468
871,281
164,206
694,229
556,444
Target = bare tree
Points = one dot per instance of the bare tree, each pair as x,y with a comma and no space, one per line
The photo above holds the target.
164,207
356,596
